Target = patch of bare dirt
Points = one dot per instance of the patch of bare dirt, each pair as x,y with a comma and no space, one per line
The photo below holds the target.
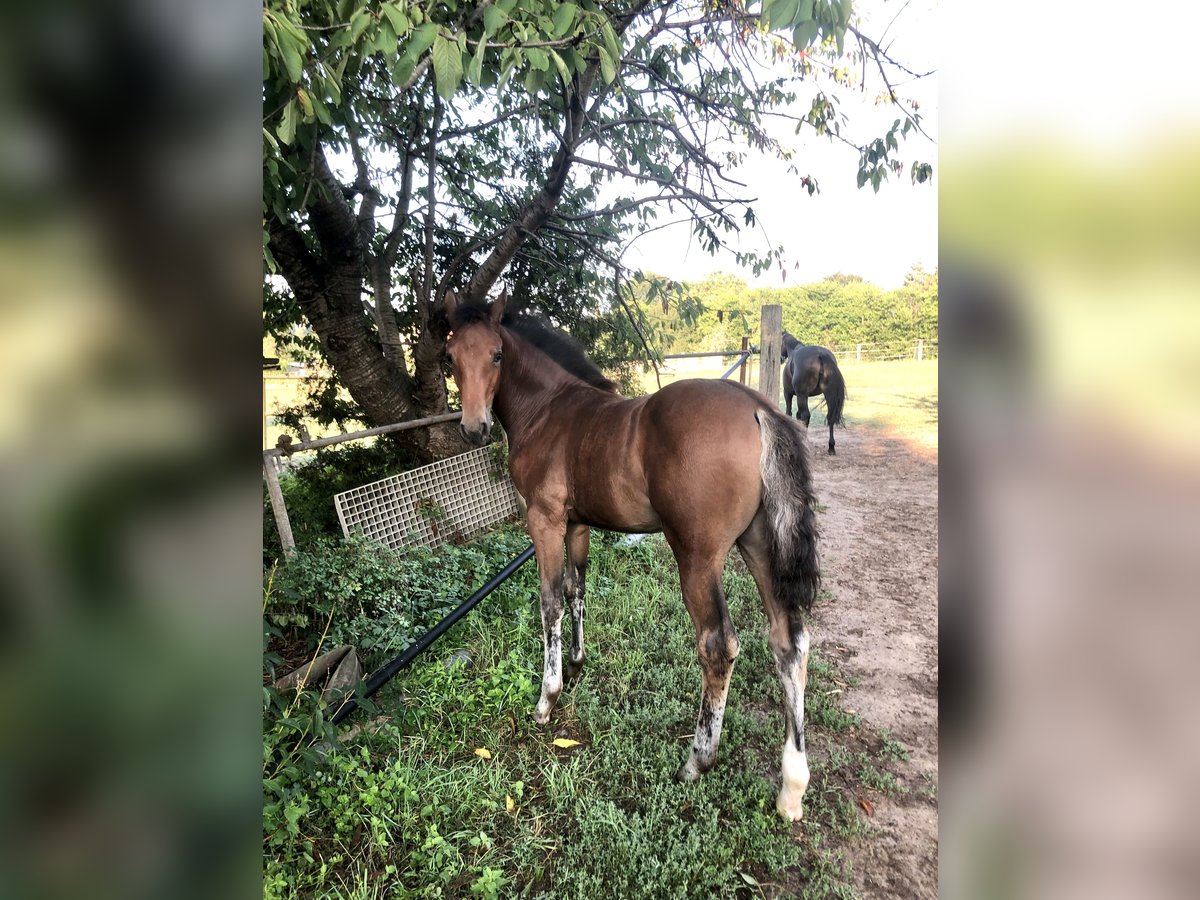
879,538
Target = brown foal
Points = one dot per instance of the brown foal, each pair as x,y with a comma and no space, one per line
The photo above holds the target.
708,463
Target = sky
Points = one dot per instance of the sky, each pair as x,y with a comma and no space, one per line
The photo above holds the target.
842,228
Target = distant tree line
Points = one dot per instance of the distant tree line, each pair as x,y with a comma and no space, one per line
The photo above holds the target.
838,312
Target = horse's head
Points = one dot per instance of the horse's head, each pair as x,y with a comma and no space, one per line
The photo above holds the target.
789,342
475,350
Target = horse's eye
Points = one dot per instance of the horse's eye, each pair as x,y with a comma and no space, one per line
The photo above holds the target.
497,356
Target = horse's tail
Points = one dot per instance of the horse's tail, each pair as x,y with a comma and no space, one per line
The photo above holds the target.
835,393
788,499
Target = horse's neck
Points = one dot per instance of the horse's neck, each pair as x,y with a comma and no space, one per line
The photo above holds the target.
527,385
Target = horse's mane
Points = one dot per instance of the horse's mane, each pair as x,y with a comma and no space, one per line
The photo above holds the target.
556,344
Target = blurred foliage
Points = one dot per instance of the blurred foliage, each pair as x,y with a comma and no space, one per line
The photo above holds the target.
1046,204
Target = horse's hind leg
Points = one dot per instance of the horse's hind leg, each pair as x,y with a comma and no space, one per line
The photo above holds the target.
831,441
789,644
548,531
717,647
802,412
788,394
574,583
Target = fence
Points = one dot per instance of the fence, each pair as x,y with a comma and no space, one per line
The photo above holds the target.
280,389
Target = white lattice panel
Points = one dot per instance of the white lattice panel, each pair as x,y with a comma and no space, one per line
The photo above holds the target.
451,500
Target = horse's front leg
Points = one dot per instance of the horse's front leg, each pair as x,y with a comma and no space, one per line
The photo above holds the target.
548,531
575,582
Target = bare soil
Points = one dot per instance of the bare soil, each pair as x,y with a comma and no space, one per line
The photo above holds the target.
879,538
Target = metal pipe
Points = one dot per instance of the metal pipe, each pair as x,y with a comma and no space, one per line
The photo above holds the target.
700,355
370,432
383,675
741,359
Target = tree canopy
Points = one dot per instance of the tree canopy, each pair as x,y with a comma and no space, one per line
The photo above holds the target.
410,147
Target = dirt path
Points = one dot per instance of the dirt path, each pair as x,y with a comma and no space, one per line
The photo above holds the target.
879,531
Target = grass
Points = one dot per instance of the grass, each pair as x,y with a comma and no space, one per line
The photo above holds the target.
459,793
900,396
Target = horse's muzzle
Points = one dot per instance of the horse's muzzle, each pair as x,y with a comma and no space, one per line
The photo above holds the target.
478,436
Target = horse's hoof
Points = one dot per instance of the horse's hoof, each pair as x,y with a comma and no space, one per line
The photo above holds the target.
832,452
788,805
687,773
571,670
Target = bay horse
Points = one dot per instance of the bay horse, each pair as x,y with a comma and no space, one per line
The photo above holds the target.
812,370
708,463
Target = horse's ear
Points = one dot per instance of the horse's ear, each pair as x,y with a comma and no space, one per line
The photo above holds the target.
451,302
497,307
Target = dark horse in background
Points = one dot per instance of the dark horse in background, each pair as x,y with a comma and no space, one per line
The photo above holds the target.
812,370
710,464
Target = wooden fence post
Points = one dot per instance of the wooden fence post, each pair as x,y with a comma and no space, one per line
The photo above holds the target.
745,359
770,351
282,522
920,349
858,354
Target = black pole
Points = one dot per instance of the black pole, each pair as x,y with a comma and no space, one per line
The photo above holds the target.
385,674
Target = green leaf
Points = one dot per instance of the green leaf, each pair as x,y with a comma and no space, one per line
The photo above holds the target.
288,122
447,66
475,71
805,12
538,58
399,21
804,33
291,59
493,18
421,40
576,59
563,71
607,69
611,43
564,16
782,14
359,23
321,110
535,79
403,69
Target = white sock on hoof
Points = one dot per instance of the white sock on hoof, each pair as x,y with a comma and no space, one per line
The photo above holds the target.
795,783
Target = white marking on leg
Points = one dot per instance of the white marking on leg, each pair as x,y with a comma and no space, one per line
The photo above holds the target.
795,782
551,668
708,733
577,624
